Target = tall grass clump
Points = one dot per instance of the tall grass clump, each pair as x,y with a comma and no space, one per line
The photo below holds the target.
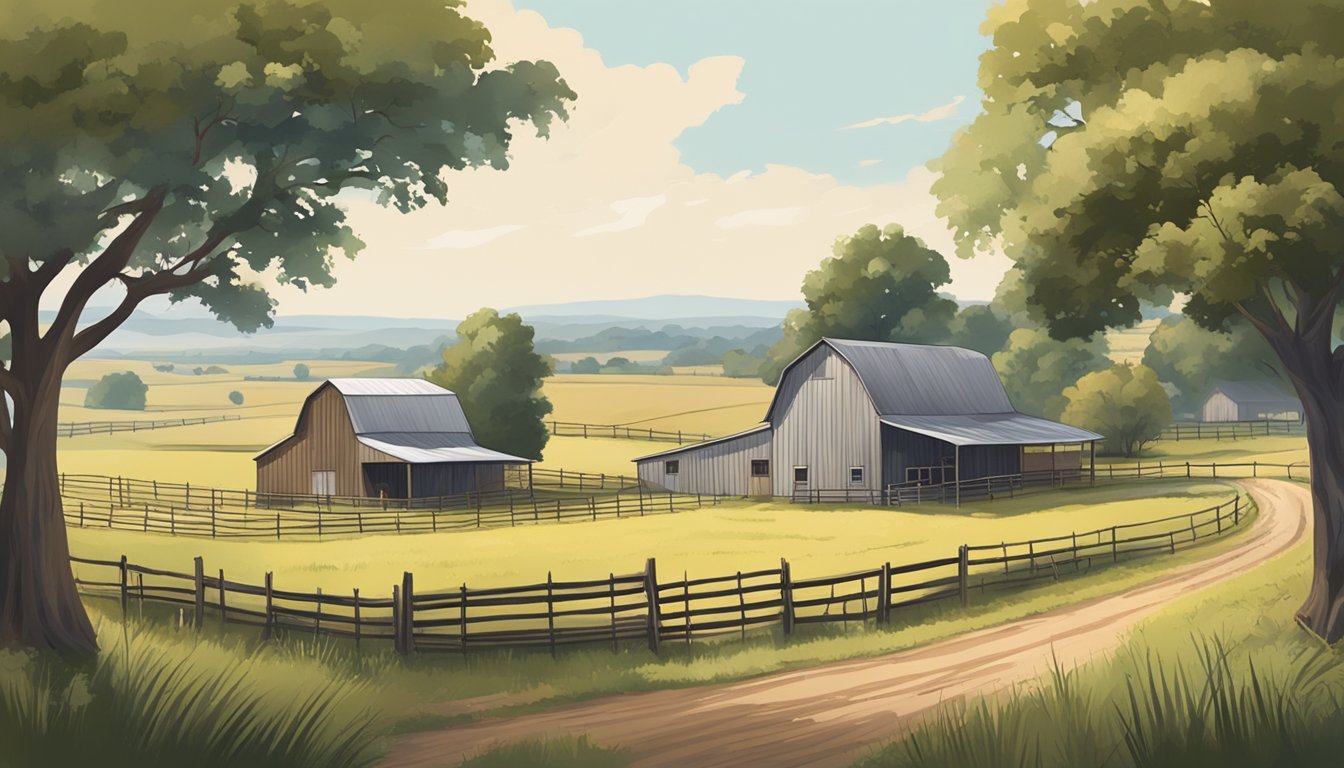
155,697
1208,707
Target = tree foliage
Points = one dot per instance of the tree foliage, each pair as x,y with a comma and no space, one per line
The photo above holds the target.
186,149
586,365
1035,368
117,391
982,328
1131,150
1126,403
879,285
1192,358
741,364
236,397
302,372
497,375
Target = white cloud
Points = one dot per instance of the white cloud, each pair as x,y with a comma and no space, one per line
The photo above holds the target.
634,212
614,169
472,238
868,163
762,217
940,112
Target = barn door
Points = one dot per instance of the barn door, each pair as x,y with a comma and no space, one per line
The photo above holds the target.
324,482
760,478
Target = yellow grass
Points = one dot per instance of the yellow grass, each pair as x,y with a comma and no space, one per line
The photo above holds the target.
1127,344
709,542
711,404
633,355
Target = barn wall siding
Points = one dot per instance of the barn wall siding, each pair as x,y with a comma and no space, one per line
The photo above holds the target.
825,420
324,440
1220,407
722,468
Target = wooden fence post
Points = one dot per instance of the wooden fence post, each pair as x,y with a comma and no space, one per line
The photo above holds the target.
611,593
408,613
550,612
1236,511
786,595
397,645
359,627
462,623
270,608
199,618
963,573
317,622
122,566
884,596
223,600
651,597
741,605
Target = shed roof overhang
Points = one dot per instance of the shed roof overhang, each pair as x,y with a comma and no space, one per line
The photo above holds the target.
992,429
435,448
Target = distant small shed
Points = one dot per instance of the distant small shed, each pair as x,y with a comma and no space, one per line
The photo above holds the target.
392,438
1250,401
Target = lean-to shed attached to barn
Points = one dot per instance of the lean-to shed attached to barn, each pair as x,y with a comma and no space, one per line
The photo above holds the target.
1250,401
393,438
870,416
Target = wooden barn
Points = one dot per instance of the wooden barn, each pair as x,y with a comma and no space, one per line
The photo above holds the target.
1250,401
868,416
393,438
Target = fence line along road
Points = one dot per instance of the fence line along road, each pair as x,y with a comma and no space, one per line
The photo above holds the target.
1232,430
80,428
642,607
93,501
620,432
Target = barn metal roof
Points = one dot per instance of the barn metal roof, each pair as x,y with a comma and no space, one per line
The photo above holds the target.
401,405
705,443
919,379
432,448
991,429
1256,392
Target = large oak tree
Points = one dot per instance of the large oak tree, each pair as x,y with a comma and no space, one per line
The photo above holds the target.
184,149
1132,149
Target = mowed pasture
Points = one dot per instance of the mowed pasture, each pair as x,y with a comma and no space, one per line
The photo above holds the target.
221,454
817,540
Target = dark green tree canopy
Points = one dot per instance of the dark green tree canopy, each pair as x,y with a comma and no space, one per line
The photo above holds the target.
1192,358
497,375
1035,368
880,285
1125,402
183,149
118,391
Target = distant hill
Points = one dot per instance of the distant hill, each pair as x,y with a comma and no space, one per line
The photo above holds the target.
663,307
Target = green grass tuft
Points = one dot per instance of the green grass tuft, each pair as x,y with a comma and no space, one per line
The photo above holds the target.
156,698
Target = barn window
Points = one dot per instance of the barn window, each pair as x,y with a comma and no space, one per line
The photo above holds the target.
324,482
856,475
800,474
671,467
760,467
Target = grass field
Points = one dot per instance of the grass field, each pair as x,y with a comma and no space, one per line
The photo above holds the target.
1127,344
713,541
221,454
1224,677
633,355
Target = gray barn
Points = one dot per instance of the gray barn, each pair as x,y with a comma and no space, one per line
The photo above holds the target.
867,416
1250,401
393,438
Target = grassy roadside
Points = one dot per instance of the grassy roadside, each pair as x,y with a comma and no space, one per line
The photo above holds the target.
1223,677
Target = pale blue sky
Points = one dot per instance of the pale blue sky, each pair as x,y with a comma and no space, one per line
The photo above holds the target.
811,68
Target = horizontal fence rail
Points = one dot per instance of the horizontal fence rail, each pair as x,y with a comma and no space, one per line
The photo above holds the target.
93,501
1010,486
80,428
1232,430
621,432
642,607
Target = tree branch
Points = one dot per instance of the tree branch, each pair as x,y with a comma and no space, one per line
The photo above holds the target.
107,266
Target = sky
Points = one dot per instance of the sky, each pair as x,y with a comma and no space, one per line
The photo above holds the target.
717,147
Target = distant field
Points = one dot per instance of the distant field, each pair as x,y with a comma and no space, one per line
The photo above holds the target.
817,540
633,355
710,404
1127,344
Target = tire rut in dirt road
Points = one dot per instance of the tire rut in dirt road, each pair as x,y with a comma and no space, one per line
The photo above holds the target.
831,715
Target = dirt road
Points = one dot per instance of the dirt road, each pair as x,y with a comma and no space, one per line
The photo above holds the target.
833,714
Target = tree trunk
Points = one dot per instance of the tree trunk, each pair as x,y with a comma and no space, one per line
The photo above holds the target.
39,604
1323,612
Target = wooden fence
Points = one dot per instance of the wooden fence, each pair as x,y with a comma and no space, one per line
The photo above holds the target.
1010,486
1232,430
78,428
92,501
641,607
617,431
